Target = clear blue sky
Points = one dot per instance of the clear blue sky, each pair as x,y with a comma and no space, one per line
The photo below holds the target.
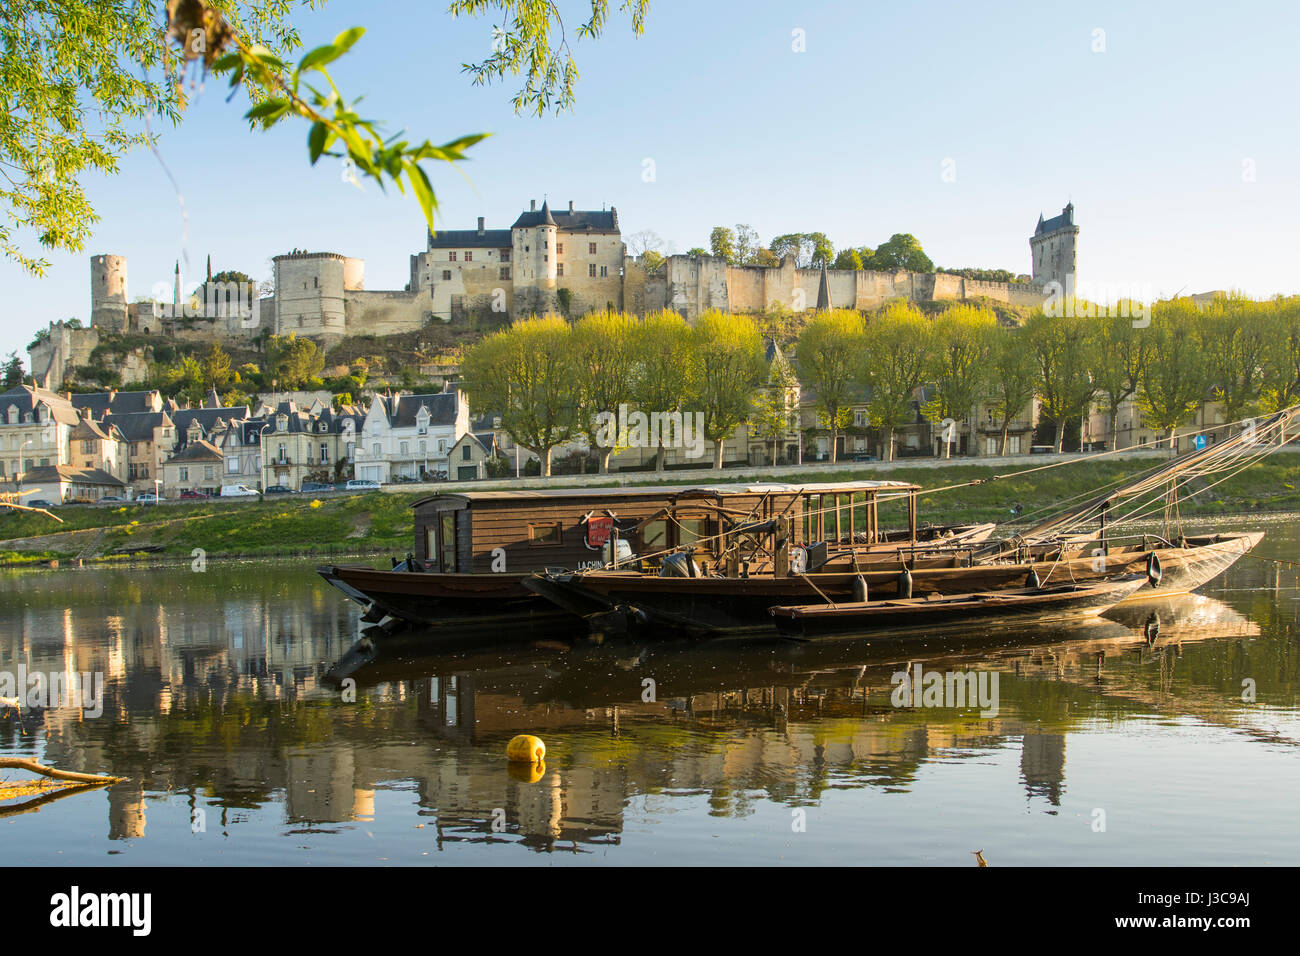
1148,140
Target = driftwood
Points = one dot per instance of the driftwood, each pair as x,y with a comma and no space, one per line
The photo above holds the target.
19,763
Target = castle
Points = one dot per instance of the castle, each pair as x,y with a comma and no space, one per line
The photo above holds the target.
568,261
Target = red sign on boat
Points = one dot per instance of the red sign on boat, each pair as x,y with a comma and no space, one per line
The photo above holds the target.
599,528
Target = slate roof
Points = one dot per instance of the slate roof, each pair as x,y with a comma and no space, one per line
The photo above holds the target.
206,417
1064,221
200,451
470,239
113,402
138,426
403,409
84,476
580,220
26,399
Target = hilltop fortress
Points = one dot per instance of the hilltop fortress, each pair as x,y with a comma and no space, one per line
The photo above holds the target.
570,262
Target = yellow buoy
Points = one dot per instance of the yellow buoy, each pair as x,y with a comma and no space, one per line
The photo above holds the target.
525,748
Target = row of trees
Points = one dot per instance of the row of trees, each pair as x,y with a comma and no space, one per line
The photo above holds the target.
551,380
741,246
1240,353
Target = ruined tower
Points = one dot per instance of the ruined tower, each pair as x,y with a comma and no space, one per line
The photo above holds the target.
108,303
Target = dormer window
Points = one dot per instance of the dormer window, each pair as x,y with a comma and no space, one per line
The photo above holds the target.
282,423
13,414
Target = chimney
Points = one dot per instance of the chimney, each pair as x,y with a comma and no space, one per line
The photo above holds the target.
570,205
480,225
532,205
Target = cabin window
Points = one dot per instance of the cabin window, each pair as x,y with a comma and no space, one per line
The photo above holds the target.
544,535
654,535
691,530
447,542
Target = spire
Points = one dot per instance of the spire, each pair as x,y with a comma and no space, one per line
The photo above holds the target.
824,292
176,285
209,267
547,218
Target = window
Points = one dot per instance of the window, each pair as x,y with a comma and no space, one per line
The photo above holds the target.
591,248
654,535
559,248
505,272
469,255
324,453
442,446
207,472
88,446
446,274
447,541
403,449
591,270
451,257
559,269
424,448
505,255
283,454
184,474
604,271
376,450
544,535
232,465
464,453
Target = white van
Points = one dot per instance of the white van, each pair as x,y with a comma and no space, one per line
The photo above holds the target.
238,491
362,484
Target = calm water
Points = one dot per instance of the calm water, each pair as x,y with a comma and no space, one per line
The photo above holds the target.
748,753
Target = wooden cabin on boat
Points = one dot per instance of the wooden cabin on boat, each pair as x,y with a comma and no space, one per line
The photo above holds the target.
480,532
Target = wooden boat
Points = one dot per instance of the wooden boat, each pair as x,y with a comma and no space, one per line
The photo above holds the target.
473,550
721,603
939,610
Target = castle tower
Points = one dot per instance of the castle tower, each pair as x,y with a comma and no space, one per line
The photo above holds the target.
547,237
108,303
1053,249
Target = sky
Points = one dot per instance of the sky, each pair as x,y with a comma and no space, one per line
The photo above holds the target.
1171,126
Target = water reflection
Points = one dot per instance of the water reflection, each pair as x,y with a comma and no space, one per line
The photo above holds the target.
217,701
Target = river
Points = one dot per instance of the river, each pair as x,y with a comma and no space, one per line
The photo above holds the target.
1106,744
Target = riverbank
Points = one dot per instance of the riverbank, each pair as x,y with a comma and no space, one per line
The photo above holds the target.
380,522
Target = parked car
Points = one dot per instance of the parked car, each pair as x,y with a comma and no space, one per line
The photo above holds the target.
40,503
865,458
238,491
362,484
316,486
278,490
149,498
111,500
195,495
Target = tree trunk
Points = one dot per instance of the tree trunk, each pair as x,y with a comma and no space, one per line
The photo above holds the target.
889,444
1060,434
605,454
1006,427
659,458
546,462
1114,429
717,452
1173,437
835,440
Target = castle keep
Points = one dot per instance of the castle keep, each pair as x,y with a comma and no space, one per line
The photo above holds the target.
568,261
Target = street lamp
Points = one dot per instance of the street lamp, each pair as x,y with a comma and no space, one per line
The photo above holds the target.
157,490
261,444
18,476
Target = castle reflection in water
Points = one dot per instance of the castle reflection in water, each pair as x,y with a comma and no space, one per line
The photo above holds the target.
215,695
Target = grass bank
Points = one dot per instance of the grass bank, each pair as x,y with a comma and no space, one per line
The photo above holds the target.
381,522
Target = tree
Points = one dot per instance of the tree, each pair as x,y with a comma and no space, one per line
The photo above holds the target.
810,249
963,341
661,380
527,372
643,242
216,367
848,259
82,83
1281,388
747,245
604,353
775,411
828,357
1061,348
291,361
1119,352
823,253
1238,337
696,251
894,363
902,252
1175,377
13,372
722,242
1014,378
727,358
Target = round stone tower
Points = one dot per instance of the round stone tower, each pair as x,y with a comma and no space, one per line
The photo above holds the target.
108,303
